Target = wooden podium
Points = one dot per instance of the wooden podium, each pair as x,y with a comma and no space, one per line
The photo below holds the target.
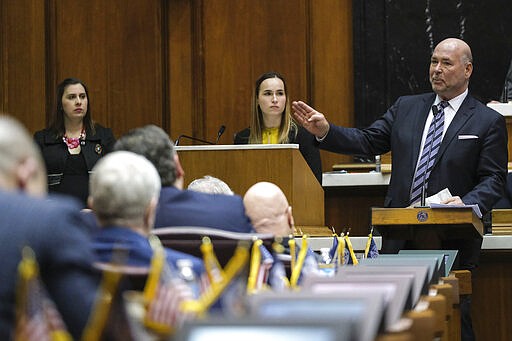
408,223
241,166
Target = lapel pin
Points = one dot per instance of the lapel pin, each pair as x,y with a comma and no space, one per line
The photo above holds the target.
98,149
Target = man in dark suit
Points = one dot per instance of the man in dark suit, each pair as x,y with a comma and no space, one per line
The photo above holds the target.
472,157
178,207
52,228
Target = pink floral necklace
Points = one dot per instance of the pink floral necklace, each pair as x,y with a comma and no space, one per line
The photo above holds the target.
74,142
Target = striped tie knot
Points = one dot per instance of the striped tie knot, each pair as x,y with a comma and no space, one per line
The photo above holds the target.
442,105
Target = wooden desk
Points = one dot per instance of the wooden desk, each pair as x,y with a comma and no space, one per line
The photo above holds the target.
492,294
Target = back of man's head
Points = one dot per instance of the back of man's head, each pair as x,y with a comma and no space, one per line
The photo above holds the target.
210,184
269,211
155,145
21,165
123,188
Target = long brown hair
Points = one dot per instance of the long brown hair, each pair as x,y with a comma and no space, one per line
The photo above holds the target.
257,127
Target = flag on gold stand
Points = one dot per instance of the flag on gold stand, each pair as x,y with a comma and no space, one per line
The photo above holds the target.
261,263
278,279
37,318
164,293
352,254
227,285
371,250
301,264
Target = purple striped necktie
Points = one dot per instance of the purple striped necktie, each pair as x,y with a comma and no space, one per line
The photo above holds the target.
429,153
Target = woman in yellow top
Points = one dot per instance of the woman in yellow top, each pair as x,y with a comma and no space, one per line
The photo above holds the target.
271,121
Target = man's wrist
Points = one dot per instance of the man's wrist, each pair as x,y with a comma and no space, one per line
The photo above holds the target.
320,139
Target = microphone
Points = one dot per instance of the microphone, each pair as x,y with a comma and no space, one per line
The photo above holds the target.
435,111
191,138
219,133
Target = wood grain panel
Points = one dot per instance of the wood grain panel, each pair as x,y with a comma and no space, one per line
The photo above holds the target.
331,66
80,43
116,50
181,92
22,61
492,298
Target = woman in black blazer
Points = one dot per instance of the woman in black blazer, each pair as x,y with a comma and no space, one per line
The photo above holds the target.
271,121
73,143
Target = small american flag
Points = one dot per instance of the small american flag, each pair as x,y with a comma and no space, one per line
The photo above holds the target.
165,292
37,318
266,264
261,263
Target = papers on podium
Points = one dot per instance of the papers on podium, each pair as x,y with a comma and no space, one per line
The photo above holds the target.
475,208
435,201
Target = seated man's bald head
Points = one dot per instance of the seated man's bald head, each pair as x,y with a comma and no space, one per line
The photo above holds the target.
269,211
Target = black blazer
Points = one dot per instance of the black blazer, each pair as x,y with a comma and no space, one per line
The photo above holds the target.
55,151
307,146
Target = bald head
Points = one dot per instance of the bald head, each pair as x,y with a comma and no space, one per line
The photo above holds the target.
268,209
451,66
21,165
458,46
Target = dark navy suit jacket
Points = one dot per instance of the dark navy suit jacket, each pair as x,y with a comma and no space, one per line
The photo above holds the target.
106,239
53,230
506,200
471,162
189,208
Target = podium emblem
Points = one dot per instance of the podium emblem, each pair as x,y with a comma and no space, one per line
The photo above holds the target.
422,216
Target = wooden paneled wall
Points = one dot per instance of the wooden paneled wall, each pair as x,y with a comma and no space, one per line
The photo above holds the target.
23,61
186,65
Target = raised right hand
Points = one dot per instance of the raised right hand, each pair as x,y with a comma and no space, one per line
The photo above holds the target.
312,120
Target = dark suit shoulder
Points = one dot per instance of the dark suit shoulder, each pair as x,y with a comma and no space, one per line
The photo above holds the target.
472,102
428,97
51,229
46,136
102,131
104,136
189,208
242,137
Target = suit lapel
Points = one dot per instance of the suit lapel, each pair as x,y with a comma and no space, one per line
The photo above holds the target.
421,114
465,111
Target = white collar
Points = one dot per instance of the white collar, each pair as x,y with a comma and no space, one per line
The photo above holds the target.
455,102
